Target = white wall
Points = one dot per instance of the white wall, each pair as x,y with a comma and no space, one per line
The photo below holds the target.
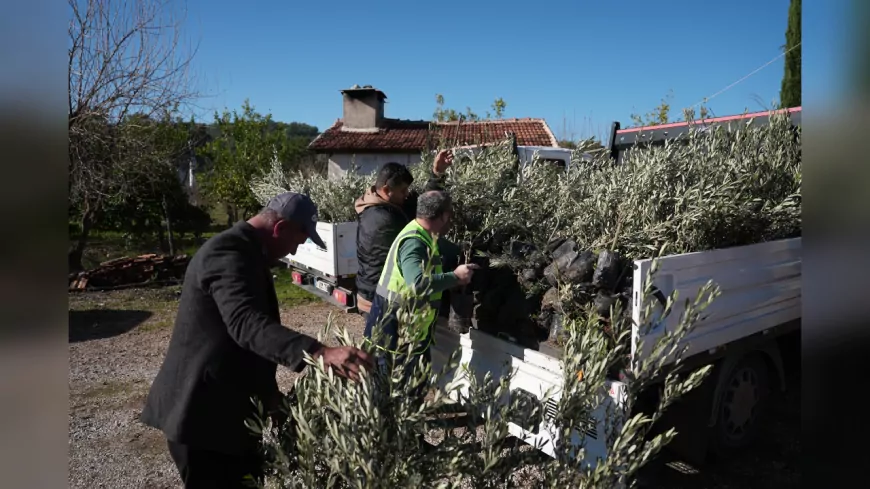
340,163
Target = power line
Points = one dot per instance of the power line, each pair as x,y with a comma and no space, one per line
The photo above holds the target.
765,65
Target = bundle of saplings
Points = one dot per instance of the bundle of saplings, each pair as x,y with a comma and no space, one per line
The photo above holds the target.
334,197
554,240
548,233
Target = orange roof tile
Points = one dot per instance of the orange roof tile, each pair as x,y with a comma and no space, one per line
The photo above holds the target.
396,135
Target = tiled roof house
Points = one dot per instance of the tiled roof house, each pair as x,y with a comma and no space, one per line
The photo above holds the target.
363,136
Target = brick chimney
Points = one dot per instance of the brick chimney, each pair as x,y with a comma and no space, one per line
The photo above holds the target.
363,108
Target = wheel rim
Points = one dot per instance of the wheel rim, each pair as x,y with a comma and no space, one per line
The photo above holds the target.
740,404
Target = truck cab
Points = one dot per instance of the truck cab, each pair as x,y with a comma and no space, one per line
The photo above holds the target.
560,157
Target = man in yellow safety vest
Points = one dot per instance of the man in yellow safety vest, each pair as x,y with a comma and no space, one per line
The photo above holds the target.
414,251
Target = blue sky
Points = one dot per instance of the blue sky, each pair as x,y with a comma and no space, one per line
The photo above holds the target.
578,64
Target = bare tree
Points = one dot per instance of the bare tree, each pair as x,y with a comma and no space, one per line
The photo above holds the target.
127,68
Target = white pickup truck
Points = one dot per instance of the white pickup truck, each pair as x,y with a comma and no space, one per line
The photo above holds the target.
748,331
759,305
757,314
330,273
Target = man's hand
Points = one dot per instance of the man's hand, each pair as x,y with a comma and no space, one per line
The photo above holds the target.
443,160
345,360
465,272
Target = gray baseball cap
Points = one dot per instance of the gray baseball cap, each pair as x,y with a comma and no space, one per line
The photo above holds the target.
300,209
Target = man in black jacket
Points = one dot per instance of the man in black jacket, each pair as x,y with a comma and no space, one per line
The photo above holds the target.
381,213
226,344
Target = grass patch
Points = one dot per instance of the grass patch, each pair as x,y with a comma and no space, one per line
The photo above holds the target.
109,245
157,325
109,389
99,315
154,299
99,309
106,310
218,213
290,295
149,443
109,395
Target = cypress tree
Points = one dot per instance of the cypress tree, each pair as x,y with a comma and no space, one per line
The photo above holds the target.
790,93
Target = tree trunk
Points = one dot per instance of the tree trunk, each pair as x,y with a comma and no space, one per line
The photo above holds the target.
515,152
169,235
161,237
229,210
75,255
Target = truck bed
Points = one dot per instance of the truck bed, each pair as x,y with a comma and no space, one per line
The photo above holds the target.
760,289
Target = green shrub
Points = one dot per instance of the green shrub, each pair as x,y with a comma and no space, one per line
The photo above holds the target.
334,198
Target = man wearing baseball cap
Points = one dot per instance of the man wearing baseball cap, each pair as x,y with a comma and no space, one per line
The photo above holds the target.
227,343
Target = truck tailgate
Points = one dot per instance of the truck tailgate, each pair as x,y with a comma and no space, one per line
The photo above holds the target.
760,288
535,373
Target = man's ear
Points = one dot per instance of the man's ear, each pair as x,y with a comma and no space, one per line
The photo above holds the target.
279,227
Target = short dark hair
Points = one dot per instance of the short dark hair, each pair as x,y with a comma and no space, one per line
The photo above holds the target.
393,175
433,204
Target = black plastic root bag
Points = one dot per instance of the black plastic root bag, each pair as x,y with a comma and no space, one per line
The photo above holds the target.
607,270
481,277
571,267
461,309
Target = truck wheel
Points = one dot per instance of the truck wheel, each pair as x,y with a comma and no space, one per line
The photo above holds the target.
741,406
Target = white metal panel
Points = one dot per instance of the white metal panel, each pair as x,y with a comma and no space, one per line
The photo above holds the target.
548,437
340,164
534,372
339,257
760,288
345,248
527,153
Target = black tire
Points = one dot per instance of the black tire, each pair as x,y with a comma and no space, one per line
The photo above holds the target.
741,408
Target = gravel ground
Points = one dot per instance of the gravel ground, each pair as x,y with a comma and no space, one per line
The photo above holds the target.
116,345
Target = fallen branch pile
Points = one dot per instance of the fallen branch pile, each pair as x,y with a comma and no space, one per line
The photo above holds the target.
131,271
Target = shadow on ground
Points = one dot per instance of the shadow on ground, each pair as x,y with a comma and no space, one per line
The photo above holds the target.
98,324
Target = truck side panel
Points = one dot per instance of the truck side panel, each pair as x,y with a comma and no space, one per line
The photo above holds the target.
339,257
535,375
760,288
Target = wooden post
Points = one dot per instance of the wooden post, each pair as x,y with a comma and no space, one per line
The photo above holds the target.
169,235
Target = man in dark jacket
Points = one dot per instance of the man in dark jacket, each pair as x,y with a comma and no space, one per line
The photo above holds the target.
382,212
226,344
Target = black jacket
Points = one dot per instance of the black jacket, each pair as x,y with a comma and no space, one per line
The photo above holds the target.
225,347
379,222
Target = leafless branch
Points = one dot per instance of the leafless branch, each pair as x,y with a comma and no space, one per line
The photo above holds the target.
126,58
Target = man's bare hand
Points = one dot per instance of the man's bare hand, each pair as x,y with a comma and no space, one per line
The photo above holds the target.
443,160
345,360
465,272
